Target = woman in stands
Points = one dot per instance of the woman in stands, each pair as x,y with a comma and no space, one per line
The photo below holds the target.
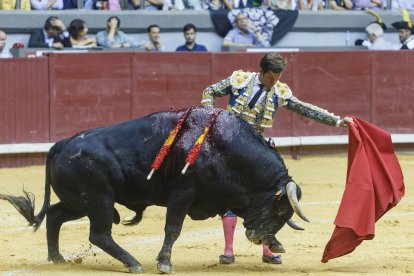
78,31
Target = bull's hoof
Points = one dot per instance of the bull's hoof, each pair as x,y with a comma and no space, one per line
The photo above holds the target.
165,267
136,269
56,259
275,259
223,259
277,248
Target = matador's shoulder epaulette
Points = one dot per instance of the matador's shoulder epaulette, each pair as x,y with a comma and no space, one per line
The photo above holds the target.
240,79
282,90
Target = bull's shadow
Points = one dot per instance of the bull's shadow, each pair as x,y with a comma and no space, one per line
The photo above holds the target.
235,170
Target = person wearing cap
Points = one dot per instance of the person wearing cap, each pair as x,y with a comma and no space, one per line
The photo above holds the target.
405,29
375,36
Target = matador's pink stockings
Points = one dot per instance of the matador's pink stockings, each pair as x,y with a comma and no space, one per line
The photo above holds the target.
229,225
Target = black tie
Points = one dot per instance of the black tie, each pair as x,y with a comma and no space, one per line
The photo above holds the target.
256,96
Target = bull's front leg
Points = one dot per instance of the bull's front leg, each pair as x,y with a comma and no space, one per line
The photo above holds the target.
178,204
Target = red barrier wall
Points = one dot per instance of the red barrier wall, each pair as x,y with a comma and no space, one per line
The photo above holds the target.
24,104
46,99
392,81
165,80
88,90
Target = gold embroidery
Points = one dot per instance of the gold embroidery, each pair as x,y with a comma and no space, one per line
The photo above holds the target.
282,90
239,79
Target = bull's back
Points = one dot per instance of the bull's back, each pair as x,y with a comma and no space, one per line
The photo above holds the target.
119,157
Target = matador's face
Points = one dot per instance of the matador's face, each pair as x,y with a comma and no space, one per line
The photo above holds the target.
269,79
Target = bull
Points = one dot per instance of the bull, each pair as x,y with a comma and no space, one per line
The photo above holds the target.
235,170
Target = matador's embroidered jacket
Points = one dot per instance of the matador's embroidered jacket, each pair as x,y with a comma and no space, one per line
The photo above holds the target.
240,86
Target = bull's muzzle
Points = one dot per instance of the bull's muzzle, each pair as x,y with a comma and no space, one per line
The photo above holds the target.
258,238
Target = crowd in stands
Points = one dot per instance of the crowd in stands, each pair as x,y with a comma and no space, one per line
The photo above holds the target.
55,35
213,5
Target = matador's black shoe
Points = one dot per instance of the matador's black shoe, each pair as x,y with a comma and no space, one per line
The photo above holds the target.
275,259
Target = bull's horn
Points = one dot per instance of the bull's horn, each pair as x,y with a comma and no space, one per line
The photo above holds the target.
293,199
292,224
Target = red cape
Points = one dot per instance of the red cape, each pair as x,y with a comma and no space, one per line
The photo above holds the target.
374,185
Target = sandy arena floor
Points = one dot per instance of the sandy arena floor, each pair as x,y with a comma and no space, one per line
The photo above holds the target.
322,179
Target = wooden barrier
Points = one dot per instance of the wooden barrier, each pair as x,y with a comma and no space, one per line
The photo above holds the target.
47,99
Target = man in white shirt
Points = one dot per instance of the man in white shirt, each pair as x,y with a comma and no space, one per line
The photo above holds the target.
376,37
154,43
4,53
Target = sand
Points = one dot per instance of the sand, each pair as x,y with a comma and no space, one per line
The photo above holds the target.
322,179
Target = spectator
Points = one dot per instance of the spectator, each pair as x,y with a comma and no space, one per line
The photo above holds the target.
317,5
44,5
4,53
190,31
375,36
238,4
154,44
113,37
215,5
405,29
11,5
375,5
280,4
152,5
179,5
73,4
117,5
244,34
340,5
52,35
310,5
378,20
397,5
78,31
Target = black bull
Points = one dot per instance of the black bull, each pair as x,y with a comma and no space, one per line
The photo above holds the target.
235,170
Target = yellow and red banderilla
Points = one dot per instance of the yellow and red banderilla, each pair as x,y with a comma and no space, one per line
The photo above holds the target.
192,155
156,164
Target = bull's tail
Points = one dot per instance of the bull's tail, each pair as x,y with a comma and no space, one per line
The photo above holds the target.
46,202
25,205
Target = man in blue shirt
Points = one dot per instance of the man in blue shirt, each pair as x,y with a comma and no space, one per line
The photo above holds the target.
244,34
190,45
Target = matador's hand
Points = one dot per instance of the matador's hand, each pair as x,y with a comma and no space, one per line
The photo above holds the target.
345,121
